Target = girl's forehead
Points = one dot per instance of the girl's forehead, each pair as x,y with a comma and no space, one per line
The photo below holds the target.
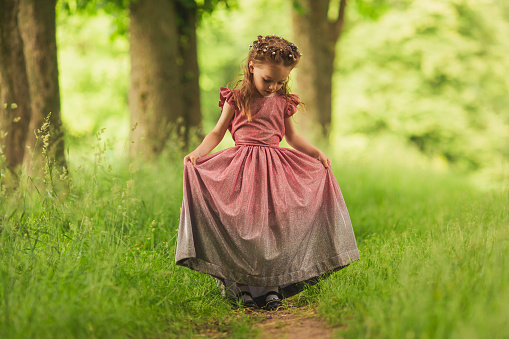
274,71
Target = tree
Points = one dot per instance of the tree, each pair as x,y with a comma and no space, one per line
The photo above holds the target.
29,74
15,92
188,15
155,98
317,35
38,29
164,98
165,92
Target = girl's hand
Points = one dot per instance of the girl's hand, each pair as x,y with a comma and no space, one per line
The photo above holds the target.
324,159
193,156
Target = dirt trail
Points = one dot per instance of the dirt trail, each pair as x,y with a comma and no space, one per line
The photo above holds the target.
292,323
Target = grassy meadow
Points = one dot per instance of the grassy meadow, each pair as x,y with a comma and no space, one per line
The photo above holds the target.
92,255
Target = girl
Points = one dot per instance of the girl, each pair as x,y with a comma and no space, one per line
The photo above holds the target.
266,221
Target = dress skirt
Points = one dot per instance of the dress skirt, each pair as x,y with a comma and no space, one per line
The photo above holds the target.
263,216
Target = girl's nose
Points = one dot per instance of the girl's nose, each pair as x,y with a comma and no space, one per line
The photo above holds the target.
272,86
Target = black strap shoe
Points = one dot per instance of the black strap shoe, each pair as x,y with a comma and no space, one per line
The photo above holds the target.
246,299
273,301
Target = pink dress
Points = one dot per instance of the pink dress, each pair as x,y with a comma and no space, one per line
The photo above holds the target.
260,214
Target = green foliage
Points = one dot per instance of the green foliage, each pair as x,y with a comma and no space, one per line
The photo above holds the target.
204,7
373,9
433,74
94,78
367,9
117,9
91,7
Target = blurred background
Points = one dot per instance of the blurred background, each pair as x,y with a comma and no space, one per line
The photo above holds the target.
421,79
422,83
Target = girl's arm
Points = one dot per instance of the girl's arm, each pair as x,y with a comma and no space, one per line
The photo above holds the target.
213,138
300,144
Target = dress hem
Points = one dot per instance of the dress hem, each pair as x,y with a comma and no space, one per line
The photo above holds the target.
316,270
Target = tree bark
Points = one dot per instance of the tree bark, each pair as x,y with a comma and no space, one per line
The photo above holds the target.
189,70
316,37
15,94
38,29
155,100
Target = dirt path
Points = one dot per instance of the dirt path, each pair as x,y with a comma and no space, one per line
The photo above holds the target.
292,323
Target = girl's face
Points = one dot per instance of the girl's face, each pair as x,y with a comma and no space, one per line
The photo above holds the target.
268,78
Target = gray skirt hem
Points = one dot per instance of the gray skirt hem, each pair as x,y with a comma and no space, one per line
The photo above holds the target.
287,278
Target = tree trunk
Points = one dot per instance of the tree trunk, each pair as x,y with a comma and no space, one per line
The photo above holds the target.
189,71
155,100
15,93
38,29
316,37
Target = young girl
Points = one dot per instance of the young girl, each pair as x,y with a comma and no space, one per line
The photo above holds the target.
266,221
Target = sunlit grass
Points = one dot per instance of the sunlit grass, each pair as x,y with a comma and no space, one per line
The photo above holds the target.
99,260
434,257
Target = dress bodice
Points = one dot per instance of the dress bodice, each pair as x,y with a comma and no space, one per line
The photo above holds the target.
267,126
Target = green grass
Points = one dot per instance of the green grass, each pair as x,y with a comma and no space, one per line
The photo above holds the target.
97,259
434,258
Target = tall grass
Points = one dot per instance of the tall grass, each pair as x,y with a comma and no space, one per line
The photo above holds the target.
97,259
92,255
434,258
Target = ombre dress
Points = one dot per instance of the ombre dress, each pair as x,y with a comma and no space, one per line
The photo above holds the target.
263,215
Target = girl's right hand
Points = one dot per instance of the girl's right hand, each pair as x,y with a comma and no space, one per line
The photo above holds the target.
193,156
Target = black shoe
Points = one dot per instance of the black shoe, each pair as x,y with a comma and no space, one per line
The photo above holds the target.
273,301
246,302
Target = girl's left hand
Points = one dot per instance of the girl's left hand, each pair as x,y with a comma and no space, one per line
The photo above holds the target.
324,159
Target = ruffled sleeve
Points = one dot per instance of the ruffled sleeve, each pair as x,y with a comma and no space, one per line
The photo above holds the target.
226,95
292,102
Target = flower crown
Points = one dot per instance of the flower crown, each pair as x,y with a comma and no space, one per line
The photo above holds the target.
267,45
